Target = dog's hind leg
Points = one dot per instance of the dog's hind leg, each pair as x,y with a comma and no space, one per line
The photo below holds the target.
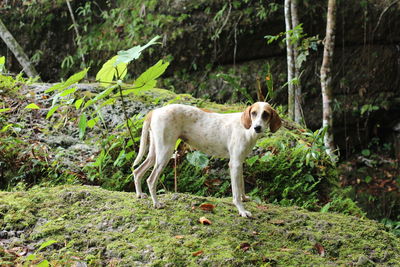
141,170
163,154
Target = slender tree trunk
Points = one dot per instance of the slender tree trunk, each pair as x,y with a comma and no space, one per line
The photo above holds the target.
17,50
326,77
290,62
297,87
78,36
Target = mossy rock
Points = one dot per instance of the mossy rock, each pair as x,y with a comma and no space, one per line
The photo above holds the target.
99,227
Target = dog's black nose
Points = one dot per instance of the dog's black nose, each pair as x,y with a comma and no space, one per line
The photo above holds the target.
257,129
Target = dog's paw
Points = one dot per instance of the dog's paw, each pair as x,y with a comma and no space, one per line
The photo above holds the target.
142,195
245,198
159,205
245,213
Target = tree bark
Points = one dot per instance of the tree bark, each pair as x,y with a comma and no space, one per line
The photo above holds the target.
326,78
17,50
296,87
290,62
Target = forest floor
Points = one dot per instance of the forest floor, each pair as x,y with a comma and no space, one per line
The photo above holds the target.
86,225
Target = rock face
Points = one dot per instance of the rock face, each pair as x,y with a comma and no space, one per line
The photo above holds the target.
84,225
206,38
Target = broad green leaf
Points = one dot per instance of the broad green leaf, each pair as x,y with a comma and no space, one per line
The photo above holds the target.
198,159
4,109
110,70
126,56
79,102
82,125
46,244
51,111
151,74
32,106
70,81
68,91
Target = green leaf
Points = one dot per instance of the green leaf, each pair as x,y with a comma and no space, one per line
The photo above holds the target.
250,161
51,111
325,208
134,53
366,152
82,125
197,159
91,123
68,91
32,106
110,70
79,102
31,257
2,63
43,263
46,244
152,73
70,81
4,109
177,143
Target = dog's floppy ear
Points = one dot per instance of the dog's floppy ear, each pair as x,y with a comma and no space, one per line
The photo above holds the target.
246,118
275,122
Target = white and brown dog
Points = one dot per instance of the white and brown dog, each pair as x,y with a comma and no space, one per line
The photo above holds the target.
223,135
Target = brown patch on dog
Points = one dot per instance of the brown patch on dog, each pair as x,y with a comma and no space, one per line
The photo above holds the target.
206,110
246,117
275,122
148,116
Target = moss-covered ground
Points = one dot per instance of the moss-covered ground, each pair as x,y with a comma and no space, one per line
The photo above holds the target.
98,227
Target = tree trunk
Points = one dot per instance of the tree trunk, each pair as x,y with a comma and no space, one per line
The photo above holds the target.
290,62
326,78
17,50
297,87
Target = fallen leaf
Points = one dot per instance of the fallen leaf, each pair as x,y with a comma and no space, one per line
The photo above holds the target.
320,249
205,221
245,246
179,236
255,233
198,253
286,249
262,207
207,207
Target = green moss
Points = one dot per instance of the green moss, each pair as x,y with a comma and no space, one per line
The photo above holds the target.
101,227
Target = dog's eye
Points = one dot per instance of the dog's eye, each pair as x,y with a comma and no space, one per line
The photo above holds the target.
265,115
254,113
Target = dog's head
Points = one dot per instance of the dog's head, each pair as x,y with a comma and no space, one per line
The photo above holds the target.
259,116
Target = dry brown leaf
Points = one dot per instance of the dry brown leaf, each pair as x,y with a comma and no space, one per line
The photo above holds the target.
205,221
245,246
198,253
320,249
207,207
179,236
262,207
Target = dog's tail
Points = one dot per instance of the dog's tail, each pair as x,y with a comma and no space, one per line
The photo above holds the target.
144,139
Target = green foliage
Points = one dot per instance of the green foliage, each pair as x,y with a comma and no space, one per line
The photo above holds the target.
295,170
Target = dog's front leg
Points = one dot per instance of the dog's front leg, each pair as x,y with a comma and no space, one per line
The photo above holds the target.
236,170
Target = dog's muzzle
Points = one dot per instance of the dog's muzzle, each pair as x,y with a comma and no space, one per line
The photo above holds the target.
257,129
